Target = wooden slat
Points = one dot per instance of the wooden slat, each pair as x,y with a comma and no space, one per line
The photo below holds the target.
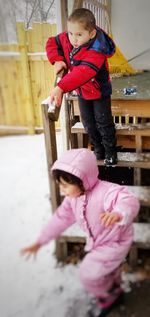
123,129
128,159
142,193
138,108
26,78
128,108
20,70
51,154
129,136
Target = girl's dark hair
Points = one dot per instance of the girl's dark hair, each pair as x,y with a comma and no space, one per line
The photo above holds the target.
85,17
69,178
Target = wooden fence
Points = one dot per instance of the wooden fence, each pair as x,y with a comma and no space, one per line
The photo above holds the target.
26,77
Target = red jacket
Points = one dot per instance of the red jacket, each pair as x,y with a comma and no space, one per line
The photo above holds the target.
89,73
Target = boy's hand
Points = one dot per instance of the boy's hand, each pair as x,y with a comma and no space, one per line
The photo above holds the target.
31,250
109,219
59,66
56,96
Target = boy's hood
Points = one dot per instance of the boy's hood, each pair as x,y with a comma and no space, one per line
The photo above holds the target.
81,163
103,43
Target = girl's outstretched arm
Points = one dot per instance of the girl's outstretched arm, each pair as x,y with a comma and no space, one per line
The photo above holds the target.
31,250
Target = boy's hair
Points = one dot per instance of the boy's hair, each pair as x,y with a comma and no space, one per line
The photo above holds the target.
69,178
85,17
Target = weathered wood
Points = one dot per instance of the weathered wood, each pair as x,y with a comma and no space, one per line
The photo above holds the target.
133,255
129,108
135,136
26,78
142,193
14,111
64,14
128,159
137,175
51,154
17,130
77,4
9,130
54,112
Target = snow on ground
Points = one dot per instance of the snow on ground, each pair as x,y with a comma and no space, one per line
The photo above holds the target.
31,288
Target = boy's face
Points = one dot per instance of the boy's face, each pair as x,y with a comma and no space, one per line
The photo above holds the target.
78,35
69,190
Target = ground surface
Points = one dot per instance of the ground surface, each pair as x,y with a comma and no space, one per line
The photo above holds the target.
136,302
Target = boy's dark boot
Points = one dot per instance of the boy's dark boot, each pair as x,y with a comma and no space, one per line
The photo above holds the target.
111,159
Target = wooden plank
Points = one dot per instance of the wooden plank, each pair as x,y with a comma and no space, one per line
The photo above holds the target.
51,154
128,108
28,99
12,130
138,108
64,14
129,136
77,4
127,141
128,159
121,129
137,176
14,110
142,193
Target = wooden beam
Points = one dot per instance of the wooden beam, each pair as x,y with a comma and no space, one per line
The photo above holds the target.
27,90
64,14
77,4
51,154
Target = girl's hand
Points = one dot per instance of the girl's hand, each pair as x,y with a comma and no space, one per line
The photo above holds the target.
59,66
56,96
31,250
109,219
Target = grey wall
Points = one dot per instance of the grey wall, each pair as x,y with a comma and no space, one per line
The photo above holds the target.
131,29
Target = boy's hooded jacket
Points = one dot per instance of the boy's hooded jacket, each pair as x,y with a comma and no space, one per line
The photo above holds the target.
89,74
99,197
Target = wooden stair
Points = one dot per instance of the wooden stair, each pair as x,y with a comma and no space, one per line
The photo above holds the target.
132,120
135,136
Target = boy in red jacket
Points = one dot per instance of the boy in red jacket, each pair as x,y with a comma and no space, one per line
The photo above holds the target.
83,51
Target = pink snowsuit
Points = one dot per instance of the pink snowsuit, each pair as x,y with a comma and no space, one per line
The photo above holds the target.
106,247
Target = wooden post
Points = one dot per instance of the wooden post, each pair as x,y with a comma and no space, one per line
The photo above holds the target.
26,80
64,14
77,4
51,154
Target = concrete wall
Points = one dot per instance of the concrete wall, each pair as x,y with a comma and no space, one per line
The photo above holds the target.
131,29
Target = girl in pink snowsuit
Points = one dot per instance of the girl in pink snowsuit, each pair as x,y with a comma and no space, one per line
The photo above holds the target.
104,211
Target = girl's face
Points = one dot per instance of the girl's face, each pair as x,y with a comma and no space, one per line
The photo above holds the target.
69,190
78,35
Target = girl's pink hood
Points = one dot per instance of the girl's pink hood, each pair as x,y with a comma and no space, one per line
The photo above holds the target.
81,163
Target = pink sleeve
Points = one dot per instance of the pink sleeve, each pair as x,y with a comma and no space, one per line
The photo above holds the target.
119,199
62,218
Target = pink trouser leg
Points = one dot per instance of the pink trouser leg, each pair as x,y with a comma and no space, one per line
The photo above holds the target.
98,276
